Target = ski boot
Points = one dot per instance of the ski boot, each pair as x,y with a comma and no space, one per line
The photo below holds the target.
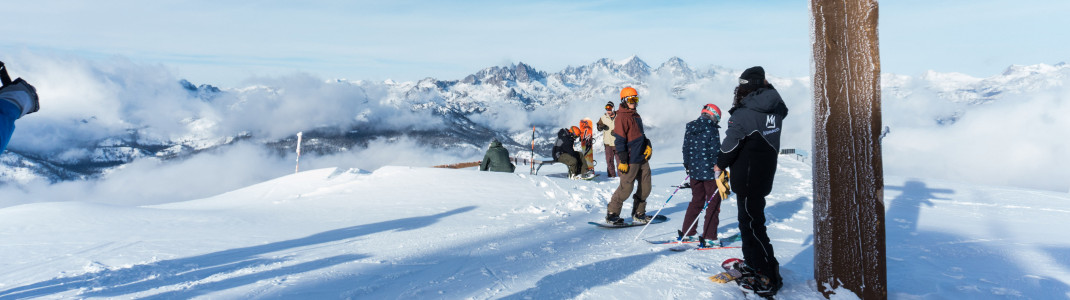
642,219
680,237
614,219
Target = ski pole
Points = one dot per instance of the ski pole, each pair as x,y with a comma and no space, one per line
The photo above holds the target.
662,207
704,206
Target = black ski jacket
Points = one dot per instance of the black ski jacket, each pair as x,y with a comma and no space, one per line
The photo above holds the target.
752,142
564,144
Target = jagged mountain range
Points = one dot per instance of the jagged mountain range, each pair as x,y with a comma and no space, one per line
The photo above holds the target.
457,104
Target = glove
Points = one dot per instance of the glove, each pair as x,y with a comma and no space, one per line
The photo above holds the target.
622,167
602,127
723,187
647,152
21,94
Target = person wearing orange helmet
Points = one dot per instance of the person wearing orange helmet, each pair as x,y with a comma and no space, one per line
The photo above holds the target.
564,151
633,151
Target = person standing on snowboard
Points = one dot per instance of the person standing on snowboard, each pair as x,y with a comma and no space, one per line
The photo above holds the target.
633,153
702,144
749,150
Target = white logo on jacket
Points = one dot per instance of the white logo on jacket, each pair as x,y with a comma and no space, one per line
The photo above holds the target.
770,121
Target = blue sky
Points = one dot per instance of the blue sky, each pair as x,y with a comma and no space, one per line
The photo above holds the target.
225,42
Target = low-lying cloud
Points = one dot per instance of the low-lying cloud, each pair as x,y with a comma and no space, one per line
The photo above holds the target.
1017,139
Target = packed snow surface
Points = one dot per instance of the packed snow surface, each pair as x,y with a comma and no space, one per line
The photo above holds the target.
423,233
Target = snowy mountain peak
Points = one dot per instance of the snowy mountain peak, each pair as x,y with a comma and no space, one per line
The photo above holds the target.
676,68
501,75
635,67
628,60
1019,71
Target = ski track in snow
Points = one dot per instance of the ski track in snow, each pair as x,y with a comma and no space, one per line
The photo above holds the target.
403,232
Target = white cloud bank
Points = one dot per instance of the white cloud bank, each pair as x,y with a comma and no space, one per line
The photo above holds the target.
1018,139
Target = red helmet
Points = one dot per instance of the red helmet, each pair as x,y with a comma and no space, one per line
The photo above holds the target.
713,110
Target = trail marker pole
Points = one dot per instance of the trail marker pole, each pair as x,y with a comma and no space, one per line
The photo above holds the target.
298,167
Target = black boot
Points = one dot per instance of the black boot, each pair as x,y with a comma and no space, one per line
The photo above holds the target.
640,216
614,219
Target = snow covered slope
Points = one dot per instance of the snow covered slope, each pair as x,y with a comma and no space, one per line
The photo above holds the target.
406,233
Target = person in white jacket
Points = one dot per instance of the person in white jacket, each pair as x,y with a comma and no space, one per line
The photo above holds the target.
605,125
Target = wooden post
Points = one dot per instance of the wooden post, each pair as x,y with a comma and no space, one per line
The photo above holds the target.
849,246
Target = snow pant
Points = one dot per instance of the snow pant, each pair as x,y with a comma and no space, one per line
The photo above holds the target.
757,251
575,164
8,113
702,191
611,161
636,172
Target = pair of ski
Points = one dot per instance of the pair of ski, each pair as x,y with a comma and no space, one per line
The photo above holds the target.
694,244
733,273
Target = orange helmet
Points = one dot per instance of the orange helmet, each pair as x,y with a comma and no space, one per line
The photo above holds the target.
575,131
628,92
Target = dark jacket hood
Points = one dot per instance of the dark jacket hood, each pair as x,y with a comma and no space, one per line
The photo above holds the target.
764,100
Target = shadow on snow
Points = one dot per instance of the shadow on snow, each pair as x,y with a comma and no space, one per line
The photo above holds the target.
139,278
924,263
573,282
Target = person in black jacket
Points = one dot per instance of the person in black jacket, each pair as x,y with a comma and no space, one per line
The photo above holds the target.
750,149
564,151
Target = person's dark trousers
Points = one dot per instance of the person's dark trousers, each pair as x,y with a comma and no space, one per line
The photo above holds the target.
611,161
636,173
575,165
701,191
757,251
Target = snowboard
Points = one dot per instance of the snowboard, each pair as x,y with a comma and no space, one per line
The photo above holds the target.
587,142
603,224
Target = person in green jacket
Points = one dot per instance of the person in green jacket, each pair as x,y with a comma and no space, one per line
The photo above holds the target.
496,159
